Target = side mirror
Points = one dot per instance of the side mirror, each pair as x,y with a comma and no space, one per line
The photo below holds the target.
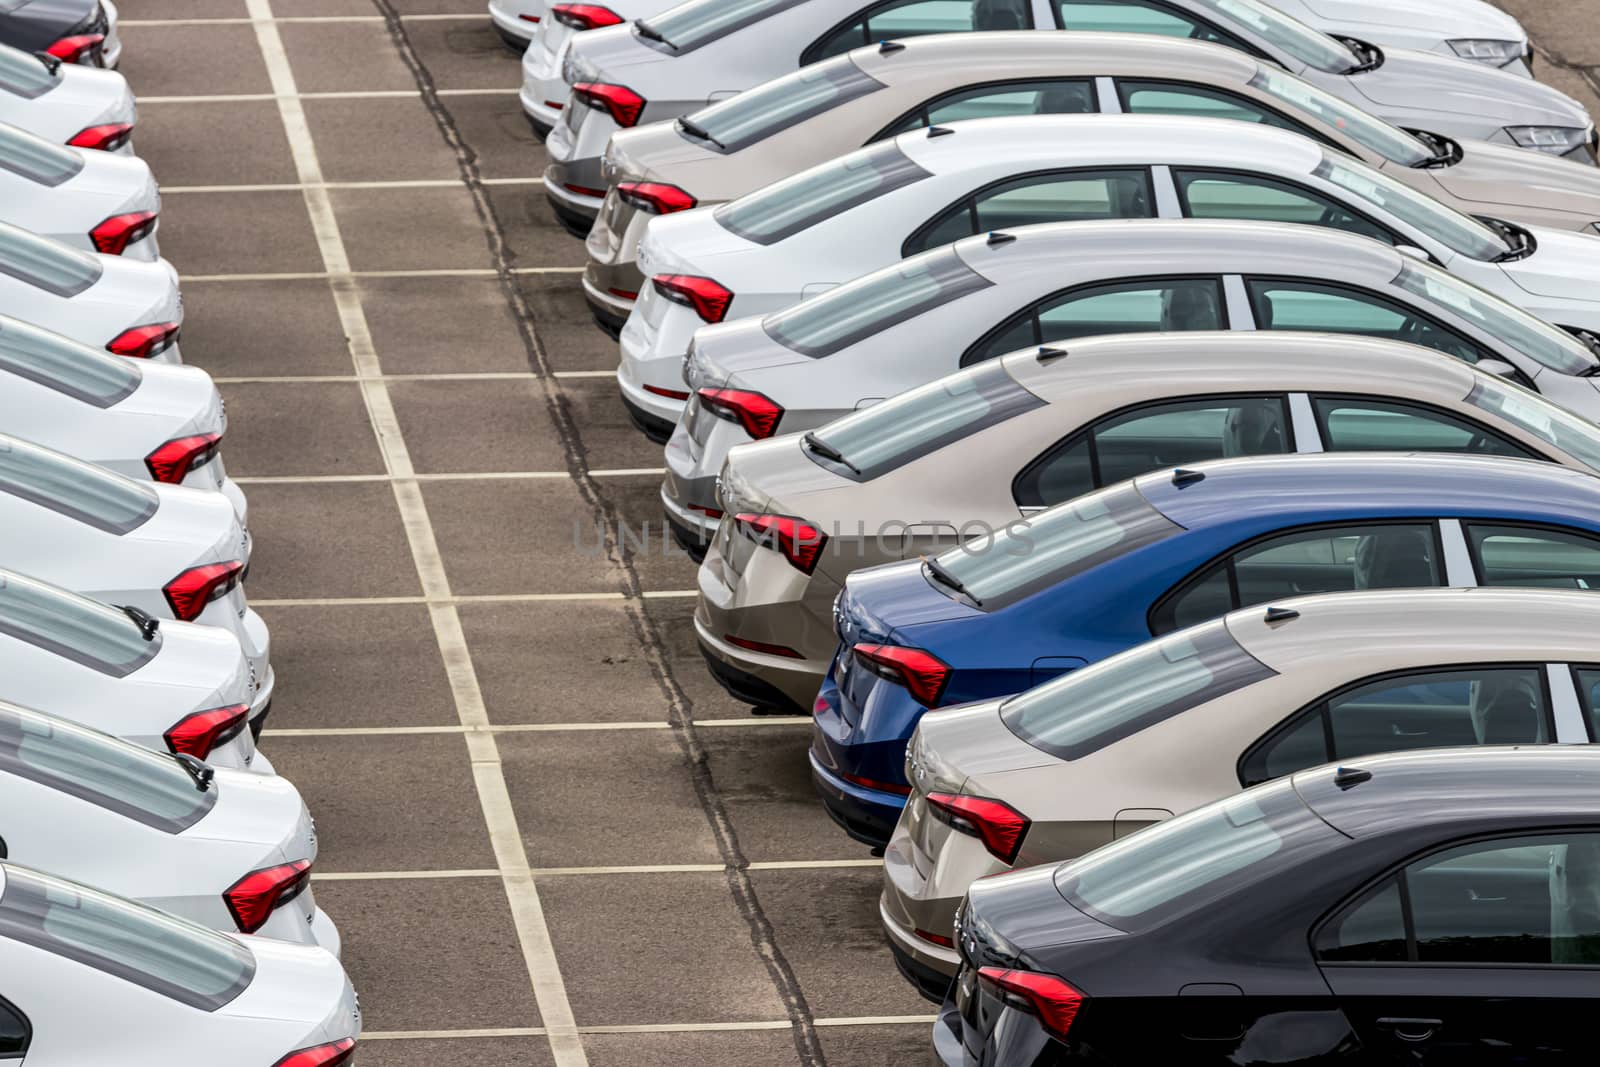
1498,367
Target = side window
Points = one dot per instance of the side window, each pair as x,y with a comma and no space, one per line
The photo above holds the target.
1225,195
1532,556
1353,424
1373,929
913,18
1589,693
1054,97
1114,307
1139,16
1286,304
1194,101
15,1033
1063,196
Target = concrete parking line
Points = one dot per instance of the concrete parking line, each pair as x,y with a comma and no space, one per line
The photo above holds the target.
505,837
570,872
453,376
649,1028
316,275
397,183
478,476
331,94
281,19
479,598
530,727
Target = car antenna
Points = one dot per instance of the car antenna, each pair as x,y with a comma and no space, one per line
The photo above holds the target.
1183,476
1281,614
939,131
1049,353
998,238
1345,777
889,48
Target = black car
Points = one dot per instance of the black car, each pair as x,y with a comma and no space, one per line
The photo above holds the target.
71,30
1424,908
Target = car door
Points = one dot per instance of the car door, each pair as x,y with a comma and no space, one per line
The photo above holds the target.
1483,953
892,19
1047,196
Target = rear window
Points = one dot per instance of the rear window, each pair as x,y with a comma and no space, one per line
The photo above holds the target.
64,365
1540,342
73,626
46,264
887,436
148,787
1388,141
71,487
700,22
26,75
35,158
1086,710
1555,426
856,310
756,114
1034,554
783,209
154,950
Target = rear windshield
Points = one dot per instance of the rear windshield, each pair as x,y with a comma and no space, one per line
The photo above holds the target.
35,158
887,436
756,114
46,264
159,952
1540,342
1388,141
26,75
58,363
1312,47
1036,553
1195,859
699,22
1576,437
856,310
783,209
1088,709
71,487
73,626
1457,232
148,787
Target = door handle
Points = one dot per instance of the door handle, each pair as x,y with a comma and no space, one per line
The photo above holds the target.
1411,1029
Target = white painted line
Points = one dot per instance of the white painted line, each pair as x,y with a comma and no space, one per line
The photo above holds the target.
332,94
448,1035
494,798
586,374
456,376
880,1020
475,476
469,598
399,876
687,1028
589,872
290,19
322,275
812,865
646,1028
527,727
292,187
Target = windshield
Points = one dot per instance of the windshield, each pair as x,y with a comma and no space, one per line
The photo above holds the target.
46,264
1577,437
1388,141
856,310
72,626
1311,47
1033,554
1539,341
783,209
64,365
148,787
699,22
1086,710
756,114
1460,233
71,487
36,159
26,75
152,949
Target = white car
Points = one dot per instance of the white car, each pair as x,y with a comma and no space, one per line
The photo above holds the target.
982,297
65,103
864,211
73,31
144,420
168,686
227,849
544,92
516,21
113,302
92,201
88,979
1467,29
167,550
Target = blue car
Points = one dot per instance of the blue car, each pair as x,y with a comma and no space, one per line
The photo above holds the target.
1107,571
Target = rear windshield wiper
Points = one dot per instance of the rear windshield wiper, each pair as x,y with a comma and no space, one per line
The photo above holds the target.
827,451
649,32
148,624
198,771
943,575
1368,57
1446,153
694,129
51,63
1519,242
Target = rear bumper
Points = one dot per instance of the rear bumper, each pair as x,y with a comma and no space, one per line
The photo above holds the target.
741,683
604,279
867,815
928,967
609,310
515,32
326,933
702,528
632,380
575,211
650,413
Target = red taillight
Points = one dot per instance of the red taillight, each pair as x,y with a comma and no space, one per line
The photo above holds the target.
583,190
708,512
77,48
942,940
799,541
529,18
624,105
658,198
330,1055
762,647
191,591
923,673
115,234
709,300
1052,999
873,783
758,415
105,138
252,898
199,734
172,462
143,342
585,16
997,824
670,394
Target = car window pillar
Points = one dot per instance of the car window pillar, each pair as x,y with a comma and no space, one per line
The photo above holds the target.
1458,569
1167,205
1237,298
1110,102
1571,726
1303,420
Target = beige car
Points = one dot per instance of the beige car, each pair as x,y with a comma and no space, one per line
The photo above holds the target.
1195,716
1004,439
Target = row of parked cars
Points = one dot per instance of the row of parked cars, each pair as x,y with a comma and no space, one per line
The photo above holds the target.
152,864
1161,456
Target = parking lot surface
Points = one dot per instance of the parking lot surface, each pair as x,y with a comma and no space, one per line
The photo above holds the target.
547,836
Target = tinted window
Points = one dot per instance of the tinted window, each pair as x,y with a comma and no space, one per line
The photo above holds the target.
785,208
1054,97
35,158
15,1033
1226,195
1589,692
1139,16
1539,341
1356,424
46,264
1450,228
1531,556
26,75
1114,307
1374,928
76,627
1036,553
699,22
1289,36
889,435
80,490
1062,196
1388,141
1194,101
1286,304
1103,703
1533,413
154,950
913,18
149,787
856,310
55,362
756,114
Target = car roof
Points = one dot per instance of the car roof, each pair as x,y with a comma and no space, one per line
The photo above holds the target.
1079,52
1437,788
